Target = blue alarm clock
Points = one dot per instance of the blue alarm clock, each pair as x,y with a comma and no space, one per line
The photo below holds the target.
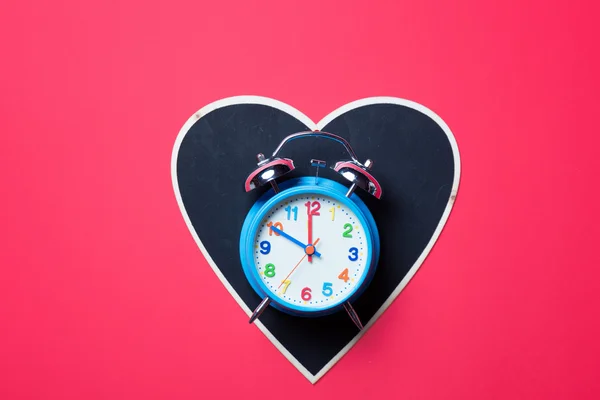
310,246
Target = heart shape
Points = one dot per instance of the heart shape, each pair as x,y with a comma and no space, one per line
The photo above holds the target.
416,161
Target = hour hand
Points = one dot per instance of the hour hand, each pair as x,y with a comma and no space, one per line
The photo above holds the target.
307,248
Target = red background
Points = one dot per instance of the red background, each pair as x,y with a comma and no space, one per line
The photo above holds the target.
103,292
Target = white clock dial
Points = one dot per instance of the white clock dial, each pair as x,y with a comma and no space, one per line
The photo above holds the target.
282,262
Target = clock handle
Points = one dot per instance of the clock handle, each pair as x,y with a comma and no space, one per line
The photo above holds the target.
354,171
269,169
325,135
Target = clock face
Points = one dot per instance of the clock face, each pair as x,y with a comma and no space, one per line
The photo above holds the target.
295,276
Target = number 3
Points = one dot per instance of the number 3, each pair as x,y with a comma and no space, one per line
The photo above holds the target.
354,252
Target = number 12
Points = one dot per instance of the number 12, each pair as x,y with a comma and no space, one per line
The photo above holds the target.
316,206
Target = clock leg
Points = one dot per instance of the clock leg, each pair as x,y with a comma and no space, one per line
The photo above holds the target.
353,315
259,310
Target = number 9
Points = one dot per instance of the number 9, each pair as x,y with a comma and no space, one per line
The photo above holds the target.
265,247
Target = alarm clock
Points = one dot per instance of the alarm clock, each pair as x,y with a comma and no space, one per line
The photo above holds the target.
309,246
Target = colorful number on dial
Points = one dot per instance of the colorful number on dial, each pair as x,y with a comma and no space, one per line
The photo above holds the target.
265,247
327,289
344,275
332,211
270,270
306,294
285,285
291,210
353,254
348,229
316,206
277,225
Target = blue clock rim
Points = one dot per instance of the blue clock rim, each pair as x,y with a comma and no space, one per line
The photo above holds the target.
300,186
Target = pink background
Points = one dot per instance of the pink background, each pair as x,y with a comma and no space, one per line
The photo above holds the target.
103,292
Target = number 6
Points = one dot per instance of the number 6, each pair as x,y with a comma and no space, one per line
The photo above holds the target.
306,296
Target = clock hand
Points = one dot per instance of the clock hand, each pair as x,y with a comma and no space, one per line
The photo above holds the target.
306,248
310,232
299,262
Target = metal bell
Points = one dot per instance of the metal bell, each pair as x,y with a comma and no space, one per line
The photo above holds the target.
359,175
268,171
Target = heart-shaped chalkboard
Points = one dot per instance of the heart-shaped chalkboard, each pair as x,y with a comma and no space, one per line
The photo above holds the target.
416,161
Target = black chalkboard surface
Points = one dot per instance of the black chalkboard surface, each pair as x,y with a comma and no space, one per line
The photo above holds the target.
415,160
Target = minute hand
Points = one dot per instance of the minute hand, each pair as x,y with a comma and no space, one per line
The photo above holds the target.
299,243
